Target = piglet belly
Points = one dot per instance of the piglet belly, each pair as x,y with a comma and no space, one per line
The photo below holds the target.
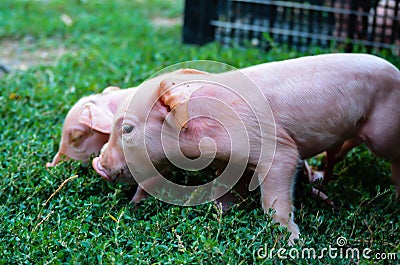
321,133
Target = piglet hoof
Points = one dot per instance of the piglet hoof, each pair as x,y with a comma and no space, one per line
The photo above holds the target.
139,196
317,177
291,227
135,204
294,238
331,204
322,196
135,200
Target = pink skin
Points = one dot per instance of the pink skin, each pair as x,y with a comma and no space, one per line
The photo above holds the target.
87,125
318,103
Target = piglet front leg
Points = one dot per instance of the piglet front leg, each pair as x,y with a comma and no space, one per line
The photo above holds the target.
141,193
139,196
277,188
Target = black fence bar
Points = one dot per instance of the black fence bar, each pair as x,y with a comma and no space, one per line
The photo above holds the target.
198,14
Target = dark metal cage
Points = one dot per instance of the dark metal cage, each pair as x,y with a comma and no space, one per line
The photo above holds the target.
299,24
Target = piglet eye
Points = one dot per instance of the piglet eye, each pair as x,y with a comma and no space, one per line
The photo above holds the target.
127,129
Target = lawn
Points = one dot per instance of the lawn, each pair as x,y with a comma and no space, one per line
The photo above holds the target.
59,51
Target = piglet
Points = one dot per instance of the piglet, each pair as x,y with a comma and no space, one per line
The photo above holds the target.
87,125
307,105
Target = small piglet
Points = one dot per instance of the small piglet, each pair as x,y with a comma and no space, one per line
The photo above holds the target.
87,125
316,104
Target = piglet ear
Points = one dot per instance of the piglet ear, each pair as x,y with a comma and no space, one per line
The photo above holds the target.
96,118
110,89
175,94
191,71
76,138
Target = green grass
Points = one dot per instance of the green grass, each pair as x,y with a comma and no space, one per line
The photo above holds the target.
89,221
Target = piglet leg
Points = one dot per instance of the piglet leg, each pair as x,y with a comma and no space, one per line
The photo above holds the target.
336,155
140,195
317,176
329,164
345,148
277,188
57,159
150,183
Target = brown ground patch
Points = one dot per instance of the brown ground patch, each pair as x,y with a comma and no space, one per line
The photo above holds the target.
23,54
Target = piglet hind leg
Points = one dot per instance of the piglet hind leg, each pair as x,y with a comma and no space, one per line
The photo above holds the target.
277,189
382,135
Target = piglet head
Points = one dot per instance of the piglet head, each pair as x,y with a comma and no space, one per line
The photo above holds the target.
111,163
135,147
86,128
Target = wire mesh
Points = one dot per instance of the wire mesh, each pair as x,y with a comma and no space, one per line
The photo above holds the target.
301,24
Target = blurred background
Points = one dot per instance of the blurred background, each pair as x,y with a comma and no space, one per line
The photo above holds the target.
53,52
298,24
40,32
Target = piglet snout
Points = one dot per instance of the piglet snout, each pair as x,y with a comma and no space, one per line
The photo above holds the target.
100,169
